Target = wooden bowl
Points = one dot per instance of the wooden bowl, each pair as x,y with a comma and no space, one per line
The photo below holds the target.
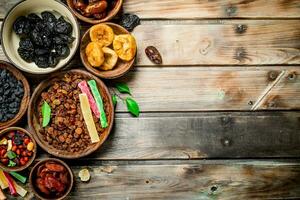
91,20
25,101
19,168
121,68
33,174
33,116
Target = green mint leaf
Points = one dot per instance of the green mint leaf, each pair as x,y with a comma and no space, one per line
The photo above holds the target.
114,99
11,163
46,112
123,88
11,155
132,106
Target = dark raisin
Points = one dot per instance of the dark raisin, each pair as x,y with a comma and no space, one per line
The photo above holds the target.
26,55
62,26
154,55
22,26
129,21
33,18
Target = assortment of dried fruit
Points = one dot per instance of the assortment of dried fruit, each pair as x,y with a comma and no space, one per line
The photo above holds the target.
98,51
52,179
66,127
6,181
43,40
16,149
97,9
11,95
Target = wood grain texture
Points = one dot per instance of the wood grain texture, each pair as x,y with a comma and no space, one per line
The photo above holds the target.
191,180
195,9
249,42
202,135
213,88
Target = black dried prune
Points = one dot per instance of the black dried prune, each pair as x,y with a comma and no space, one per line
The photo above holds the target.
49,20
26,44
129,21
62,51
62,26
41,38
53,59
41,51
62,39
22,26
42,61
33,18
26,55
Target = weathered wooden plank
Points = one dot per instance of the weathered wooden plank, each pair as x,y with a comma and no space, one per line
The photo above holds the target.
250,42
224,43
202,135
195,9
192,180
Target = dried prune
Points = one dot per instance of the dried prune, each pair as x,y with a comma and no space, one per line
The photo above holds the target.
129,21
42,61
41,51
26,44
62,26
26,55
22,26
53,59
41,38
49,20
62,39
33,19
154,55
62,51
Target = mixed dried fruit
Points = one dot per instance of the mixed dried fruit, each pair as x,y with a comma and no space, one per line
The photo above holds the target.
99,53
16,149
93,8
43,40
11,95
67,130
52,179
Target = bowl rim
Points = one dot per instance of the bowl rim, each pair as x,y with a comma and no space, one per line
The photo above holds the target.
30,113
55,160
92,20
4,131
99,73
26,97
55,68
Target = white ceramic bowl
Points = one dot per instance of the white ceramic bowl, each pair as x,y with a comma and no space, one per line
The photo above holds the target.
10,40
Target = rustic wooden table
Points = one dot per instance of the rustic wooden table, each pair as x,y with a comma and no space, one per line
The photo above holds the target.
219,118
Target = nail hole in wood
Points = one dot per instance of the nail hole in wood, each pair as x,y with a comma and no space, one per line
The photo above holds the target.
241,28
250,103
231,10
214,188
147,181
240,54
273,75
292,76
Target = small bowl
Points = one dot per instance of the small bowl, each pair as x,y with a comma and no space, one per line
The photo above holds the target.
91,20
20,168
121,68
33,174
33,115
25,101
10,40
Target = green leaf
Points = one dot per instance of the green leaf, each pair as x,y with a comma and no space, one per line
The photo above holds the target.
132,106
11,155
123,88
11,164
46,112
114,99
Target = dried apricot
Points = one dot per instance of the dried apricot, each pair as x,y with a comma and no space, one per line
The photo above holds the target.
102,34
125,46
94,53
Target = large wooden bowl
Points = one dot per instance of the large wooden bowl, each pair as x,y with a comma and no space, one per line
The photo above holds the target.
25,101
33,173
33,115
19,168
121,68
91,20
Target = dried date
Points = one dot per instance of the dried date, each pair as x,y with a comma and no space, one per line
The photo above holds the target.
154,55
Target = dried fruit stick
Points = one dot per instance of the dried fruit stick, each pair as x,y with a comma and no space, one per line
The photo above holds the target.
85,89
11,186
88,118
2,195
21,191
99,102
18,176
3,181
